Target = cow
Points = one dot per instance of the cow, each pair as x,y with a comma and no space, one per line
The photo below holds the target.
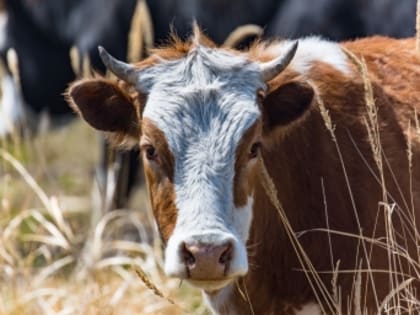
233,141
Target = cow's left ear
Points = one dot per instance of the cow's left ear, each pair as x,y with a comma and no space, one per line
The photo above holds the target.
105,106
285,104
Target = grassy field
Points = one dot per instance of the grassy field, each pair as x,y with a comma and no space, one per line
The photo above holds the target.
53,260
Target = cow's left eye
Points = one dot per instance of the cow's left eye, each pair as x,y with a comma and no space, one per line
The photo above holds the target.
255,148
150,152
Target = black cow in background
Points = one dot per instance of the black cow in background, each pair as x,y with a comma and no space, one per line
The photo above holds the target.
344,19
42,32
334,19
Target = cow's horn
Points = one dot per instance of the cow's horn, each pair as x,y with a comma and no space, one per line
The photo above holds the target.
122,70
274,67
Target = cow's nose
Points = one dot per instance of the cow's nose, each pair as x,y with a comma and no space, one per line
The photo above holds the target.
207,261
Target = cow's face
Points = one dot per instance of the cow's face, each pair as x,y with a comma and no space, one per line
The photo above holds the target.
202,127
197,162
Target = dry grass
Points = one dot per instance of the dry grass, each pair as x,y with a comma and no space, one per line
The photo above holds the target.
45,201
141,34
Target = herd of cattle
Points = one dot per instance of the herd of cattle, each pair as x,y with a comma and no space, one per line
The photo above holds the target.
211,122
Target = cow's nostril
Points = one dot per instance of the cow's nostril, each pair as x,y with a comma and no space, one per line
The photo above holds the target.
187,256
226,255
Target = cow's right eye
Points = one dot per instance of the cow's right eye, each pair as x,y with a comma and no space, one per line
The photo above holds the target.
150,153
255,148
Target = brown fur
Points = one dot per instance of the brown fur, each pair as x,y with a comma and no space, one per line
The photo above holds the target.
306,157
160,180
176,48
107,106
242,187
303,161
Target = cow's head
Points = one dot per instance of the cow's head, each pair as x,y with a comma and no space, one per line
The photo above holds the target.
201,118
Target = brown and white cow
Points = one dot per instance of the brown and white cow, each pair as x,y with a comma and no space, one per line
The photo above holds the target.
206,118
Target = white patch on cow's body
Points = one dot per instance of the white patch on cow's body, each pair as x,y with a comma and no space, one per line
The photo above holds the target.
309,309
3,29
310,50
204,103
11,103
11,106
219,302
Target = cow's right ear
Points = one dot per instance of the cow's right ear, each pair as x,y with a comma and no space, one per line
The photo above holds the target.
286,103
106,107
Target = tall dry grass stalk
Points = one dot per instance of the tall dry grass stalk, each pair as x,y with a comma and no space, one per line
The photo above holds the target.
331,128
13,64
141,36
151,286
80,65
40,247
322,294
405,211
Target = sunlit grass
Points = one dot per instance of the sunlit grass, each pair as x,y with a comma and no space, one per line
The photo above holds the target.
51,260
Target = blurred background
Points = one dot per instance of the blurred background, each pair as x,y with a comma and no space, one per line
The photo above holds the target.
76,233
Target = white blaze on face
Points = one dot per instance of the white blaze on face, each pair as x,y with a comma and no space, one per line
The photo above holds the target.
204,103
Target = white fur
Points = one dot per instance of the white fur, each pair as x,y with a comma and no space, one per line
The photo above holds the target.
3,25
218,303
204,103
11,102
309,309
11,106
313,49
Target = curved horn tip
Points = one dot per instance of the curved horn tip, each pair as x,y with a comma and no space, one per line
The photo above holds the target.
122,70
292,50
271,69
294,46
103,53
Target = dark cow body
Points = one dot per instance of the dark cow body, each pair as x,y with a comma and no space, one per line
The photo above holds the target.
344,19
217,18
43,32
